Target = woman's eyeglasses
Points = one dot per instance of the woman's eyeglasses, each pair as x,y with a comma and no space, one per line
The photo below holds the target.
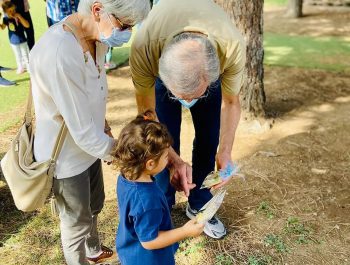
123,26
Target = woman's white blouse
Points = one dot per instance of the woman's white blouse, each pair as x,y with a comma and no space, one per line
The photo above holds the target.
67,83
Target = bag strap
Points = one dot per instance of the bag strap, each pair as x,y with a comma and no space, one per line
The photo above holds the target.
28,117
59,142
72,28
61,135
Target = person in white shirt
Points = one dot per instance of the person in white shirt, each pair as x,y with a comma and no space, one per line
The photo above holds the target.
69,83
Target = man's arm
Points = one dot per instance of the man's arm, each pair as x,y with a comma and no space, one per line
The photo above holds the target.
230,115
182,172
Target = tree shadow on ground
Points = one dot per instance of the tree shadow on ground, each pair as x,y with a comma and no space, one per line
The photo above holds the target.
317,21
289,89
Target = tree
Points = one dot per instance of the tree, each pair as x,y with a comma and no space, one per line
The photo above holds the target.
248,16
295,8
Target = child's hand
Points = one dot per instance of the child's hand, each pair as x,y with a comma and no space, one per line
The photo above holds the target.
192,228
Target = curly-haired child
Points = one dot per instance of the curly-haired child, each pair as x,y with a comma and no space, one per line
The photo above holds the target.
145,233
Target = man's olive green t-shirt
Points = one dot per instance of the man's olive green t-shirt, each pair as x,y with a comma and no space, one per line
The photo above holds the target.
169,18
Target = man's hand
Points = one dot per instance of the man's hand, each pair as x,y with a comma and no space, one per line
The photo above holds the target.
223,159
181,172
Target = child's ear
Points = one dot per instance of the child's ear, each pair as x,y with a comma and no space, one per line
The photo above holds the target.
150,164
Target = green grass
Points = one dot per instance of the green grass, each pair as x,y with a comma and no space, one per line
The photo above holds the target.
266,209
300,232
13,97
259,260
327,53
276,242
275,2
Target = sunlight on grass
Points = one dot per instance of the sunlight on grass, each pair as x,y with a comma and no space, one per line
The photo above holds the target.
275,2
330,53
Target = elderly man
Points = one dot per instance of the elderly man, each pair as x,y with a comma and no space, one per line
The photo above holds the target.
188,53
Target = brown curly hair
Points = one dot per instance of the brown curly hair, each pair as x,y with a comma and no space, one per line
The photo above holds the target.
6,5
140,140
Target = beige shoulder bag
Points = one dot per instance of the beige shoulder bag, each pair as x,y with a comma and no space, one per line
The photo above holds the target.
30,182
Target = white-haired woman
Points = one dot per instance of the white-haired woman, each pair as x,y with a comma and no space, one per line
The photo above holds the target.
69,83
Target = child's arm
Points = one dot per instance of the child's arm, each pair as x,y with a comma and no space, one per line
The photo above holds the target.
23,21
167,238
2,25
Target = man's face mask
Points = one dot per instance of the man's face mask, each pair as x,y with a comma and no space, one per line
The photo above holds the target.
188,104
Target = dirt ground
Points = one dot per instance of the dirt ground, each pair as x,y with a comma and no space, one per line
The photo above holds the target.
294,205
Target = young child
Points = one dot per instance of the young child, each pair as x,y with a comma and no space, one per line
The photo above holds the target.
145,233
16,24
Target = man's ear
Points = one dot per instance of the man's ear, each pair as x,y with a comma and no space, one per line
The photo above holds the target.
150,164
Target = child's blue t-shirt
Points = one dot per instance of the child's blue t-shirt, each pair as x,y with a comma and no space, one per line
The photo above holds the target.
143,212
16,30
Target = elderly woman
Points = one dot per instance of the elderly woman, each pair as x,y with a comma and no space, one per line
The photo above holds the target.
69,83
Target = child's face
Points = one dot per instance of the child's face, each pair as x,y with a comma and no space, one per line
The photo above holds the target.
11,11
162,162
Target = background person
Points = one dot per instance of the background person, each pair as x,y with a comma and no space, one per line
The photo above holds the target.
3,81
16,25
22,7
189,53
56,10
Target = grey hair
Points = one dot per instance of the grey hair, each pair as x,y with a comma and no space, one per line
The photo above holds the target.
131,11
188,59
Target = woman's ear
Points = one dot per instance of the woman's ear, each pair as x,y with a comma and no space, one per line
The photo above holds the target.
150,164
96,10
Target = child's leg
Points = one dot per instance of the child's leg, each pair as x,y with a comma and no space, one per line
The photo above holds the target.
17,51
25,55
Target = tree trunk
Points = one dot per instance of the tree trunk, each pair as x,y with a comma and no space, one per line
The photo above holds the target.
248,16
295,8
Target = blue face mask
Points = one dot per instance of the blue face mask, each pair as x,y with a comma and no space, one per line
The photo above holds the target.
117,38
188,104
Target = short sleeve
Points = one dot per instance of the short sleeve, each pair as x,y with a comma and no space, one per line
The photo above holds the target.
233,76
141,69
147,224
5,21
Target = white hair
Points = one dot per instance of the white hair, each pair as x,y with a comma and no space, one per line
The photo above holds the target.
131,11
188,60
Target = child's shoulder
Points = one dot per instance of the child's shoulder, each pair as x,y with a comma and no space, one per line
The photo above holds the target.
144,196
149,199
